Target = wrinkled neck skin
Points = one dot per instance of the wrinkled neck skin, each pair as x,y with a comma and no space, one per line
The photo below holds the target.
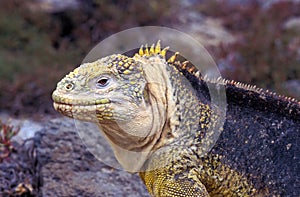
154,123
133,141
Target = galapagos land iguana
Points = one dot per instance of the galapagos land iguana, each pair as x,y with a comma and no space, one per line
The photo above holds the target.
160,128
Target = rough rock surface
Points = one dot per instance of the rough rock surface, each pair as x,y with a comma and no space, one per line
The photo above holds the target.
69,169
57,163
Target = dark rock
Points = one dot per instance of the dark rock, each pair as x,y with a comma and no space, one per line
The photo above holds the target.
56,163
69,169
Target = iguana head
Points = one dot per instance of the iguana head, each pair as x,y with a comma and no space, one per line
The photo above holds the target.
109,89
130,98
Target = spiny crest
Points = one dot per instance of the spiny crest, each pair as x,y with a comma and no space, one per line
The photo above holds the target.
155,50
252,88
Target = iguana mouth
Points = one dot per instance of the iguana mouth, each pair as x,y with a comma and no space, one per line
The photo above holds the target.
81,101
78,107
82,112
84,107
60,99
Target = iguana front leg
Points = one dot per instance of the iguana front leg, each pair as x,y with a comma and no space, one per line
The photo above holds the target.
207,177
165,182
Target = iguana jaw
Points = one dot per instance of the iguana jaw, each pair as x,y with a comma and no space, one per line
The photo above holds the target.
80,107
80,112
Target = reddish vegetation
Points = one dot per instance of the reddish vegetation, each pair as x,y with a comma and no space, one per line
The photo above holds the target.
6,133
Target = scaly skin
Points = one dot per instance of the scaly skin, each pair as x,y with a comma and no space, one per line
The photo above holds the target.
158,126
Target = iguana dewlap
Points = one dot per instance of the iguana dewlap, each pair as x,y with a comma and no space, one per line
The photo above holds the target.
158,116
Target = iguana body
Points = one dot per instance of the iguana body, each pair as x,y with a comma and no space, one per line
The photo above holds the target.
158,126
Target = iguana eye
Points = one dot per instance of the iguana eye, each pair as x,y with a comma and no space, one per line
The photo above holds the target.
103,82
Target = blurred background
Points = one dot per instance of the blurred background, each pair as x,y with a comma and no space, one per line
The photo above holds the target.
253,41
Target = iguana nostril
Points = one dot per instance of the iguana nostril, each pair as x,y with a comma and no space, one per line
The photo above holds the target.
69,86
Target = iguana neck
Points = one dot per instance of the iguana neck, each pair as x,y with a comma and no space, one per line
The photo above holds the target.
179,101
